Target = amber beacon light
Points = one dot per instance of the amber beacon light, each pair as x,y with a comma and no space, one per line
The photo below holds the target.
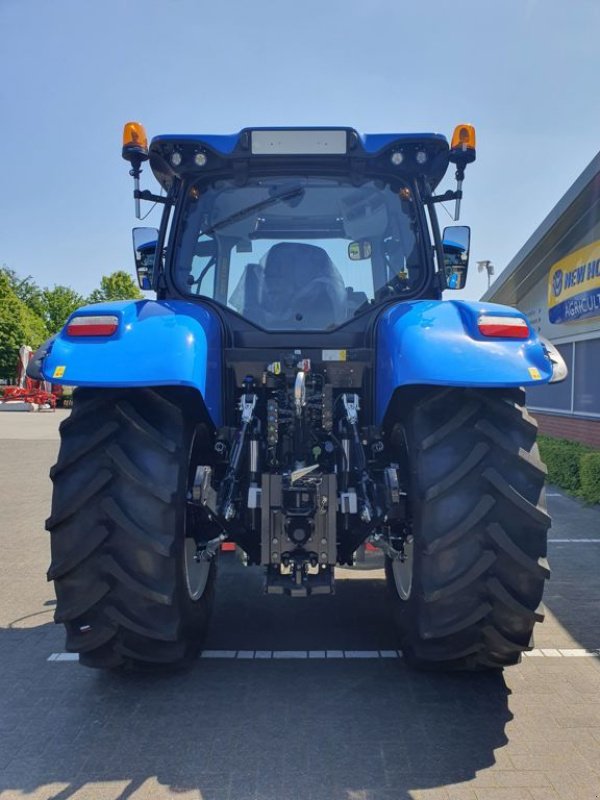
135,150
135,142
462,152
463,138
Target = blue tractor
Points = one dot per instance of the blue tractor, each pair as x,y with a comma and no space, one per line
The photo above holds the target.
299,388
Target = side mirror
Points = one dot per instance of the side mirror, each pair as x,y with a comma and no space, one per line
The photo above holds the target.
144,251
455,244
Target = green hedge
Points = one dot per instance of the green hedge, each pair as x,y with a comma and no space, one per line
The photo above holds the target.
572,466
589,471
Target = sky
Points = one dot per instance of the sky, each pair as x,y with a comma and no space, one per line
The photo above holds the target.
524,72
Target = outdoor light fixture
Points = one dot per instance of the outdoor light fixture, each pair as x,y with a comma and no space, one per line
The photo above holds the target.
488,267
462,152
100,325
463,139
135,142
503,327
135,150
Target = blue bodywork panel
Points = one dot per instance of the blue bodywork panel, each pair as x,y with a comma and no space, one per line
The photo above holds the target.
158,343
438,342
177,343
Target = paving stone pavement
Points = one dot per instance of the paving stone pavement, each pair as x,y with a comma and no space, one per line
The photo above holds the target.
279,729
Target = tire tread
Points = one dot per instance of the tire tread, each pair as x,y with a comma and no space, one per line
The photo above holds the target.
116,531
473,451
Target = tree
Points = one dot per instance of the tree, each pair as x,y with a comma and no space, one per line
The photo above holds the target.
26,290
19,325
116,286
58,304
28,314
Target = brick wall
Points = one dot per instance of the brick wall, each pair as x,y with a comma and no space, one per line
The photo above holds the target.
576,429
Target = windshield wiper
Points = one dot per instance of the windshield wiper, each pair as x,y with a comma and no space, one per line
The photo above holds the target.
289,194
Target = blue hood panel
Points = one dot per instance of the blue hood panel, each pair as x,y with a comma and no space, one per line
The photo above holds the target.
438,342
158,343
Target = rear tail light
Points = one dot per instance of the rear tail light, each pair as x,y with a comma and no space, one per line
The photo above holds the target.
503,327
228,547
104,325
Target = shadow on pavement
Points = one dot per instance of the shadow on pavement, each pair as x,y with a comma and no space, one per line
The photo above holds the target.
235,730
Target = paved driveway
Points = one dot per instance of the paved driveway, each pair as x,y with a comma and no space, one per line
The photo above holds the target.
295,699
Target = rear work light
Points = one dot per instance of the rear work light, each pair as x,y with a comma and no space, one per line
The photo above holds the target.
503,327
104,325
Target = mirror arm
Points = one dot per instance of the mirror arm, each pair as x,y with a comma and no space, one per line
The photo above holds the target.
152,198
429,200
460,176
160,285
444,198
136,159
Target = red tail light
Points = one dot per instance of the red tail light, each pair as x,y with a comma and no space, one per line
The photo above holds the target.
503,327
104,325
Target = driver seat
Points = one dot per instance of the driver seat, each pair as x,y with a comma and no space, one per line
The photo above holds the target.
302,286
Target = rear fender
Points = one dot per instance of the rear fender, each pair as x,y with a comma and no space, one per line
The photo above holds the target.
157,343
433,342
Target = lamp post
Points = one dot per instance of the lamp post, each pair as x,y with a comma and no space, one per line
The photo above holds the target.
488,267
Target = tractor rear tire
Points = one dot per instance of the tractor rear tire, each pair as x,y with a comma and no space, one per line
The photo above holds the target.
470,589
128,591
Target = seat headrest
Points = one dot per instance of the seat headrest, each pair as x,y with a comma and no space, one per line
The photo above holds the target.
299,263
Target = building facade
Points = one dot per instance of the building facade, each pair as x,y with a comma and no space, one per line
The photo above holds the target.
555,280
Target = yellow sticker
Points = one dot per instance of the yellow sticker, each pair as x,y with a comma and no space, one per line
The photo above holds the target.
59,372
334,355
535,374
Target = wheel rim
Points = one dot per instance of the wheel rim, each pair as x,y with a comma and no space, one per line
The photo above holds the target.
403,571
196,572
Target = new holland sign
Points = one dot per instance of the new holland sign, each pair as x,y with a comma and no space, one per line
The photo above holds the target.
574,286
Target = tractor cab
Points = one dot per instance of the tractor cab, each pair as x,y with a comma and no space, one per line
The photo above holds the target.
299,230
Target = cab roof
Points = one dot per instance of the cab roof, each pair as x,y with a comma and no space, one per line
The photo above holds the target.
318,150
